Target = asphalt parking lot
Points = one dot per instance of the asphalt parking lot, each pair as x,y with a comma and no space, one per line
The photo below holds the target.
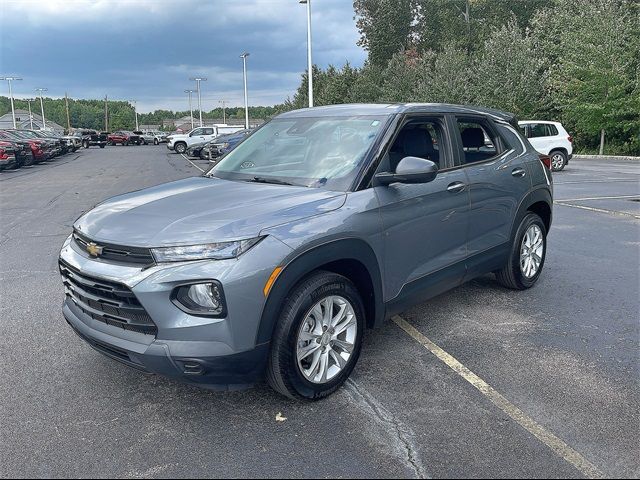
542,383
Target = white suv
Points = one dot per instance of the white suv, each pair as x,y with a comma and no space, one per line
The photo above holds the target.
549,138
180,142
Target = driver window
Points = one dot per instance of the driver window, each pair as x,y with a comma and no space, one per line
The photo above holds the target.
197,131
419,138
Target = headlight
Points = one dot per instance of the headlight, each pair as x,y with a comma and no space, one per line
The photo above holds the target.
213,251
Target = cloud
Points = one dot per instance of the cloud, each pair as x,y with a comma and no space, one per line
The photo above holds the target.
147,50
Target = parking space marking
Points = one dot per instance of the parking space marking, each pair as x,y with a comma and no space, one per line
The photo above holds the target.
621,197
599,210
185,157
549,439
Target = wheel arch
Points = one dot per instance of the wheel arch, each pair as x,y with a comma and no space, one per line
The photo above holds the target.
538,201
352,258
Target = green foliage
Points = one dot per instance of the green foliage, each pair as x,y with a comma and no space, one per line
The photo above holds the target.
577,62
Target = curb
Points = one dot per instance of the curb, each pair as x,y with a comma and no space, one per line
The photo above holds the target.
613,158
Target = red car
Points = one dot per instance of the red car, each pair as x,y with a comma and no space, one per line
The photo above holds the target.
124,138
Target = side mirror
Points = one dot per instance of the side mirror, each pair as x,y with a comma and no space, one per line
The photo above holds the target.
410,170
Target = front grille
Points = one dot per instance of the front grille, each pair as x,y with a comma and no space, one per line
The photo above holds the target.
117,253
108,302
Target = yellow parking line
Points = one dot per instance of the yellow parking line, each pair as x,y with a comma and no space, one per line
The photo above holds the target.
549,439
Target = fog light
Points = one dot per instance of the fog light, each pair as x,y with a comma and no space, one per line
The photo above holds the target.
201,299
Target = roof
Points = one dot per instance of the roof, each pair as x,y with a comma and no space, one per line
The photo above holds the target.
395,108
549,122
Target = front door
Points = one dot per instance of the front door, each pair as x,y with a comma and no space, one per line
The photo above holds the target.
425,225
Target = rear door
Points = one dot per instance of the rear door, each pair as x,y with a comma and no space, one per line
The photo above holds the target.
498,177
542,136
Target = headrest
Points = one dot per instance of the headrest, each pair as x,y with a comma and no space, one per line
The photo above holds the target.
416,142
472,138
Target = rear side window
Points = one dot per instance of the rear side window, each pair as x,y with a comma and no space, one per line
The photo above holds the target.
537,130
479,143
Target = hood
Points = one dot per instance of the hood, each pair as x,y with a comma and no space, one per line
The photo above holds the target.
202,210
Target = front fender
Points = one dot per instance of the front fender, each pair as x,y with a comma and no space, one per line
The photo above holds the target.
300,264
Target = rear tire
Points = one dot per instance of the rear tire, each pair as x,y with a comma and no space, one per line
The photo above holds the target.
155,141
85,144
311,371
558,160
527,256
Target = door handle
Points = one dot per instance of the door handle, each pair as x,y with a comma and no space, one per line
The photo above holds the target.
518,172
456,187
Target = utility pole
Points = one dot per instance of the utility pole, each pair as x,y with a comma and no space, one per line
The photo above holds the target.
198,80
66,106
224,110
29,100
13,111
106,115
309,60
135,111
246,101
44,122
190,106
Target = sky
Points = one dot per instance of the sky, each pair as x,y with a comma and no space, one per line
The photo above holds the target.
146,50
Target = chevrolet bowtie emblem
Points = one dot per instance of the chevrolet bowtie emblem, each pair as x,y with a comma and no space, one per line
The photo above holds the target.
94,249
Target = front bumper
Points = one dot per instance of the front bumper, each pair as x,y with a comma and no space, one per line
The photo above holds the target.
219,353
193,365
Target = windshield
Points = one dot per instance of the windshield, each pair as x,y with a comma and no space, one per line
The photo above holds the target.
313,152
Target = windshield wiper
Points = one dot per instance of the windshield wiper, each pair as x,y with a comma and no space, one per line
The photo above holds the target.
269,180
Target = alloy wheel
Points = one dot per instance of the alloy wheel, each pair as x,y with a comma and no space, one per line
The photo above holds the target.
326,339
531,251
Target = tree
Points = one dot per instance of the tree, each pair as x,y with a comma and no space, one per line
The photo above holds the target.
594,80
509,73
385,27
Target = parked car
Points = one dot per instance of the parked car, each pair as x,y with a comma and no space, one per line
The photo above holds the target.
321,224
62,146
180,142
41,149
196,149
8,157
223,145
124,137
91,138
549,138
160,137
145,137
22,149
74,141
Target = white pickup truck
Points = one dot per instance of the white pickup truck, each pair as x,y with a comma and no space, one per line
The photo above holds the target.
181,141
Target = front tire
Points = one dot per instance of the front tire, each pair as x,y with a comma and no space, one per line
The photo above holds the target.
155,141
318,337
85,144
527,256
558,160
180,148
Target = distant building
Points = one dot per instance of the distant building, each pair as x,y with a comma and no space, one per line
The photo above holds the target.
23,122
149,127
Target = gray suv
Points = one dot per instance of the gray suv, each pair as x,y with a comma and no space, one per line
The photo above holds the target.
322,223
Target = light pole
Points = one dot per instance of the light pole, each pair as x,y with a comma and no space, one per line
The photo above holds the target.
246,100
224,110
310,62
190,107
135,111
198,80
29,100
13,111
44,122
